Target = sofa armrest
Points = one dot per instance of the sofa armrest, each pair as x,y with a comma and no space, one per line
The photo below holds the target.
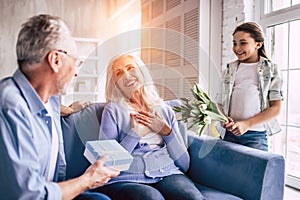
239,170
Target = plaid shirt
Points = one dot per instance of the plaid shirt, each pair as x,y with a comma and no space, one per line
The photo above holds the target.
270,83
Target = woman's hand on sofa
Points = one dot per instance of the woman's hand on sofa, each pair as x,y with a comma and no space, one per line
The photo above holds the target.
73,108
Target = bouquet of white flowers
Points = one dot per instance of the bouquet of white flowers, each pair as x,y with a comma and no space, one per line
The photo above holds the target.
200,111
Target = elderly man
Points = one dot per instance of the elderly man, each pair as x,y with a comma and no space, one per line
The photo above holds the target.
31,147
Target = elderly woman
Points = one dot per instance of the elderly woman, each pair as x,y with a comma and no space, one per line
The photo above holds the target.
145,126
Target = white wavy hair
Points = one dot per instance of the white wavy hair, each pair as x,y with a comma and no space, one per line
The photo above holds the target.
148,90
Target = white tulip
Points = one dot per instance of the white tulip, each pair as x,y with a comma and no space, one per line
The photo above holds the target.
178,116
203,106
207,120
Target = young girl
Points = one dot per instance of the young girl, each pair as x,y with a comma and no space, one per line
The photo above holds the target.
251,90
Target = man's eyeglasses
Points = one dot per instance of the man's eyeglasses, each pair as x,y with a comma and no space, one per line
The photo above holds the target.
78,62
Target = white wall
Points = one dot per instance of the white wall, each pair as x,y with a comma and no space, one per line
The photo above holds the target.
91,19
235,12
81,17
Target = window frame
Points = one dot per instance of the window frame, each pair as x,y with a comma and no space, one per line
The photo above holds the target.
266,20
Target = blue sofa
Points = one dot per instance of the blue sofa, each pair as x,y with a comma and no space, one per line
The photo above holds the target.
221,170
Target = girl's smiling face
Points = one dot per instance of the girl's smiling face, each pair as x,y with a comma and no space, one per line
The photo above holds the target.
245,47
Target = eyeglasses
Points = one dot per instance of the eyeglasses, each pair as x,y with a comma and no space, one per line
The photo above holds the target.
78,62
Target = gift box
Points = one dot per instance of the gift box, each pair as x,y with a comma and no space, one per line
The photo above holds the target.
118,158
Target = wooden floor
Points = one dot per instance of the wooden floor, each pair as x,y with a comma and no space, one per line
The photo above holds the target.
291,194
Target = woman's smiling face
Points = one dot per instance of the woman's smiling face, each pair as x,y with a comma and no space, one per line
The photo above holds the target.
127,75
245,47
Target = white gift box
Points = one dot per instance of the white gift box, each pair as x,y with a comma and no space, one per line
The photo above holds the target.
118,157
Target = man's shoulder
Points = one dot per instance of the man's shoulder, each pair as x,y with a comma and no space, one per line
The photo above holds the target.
6,82
9,92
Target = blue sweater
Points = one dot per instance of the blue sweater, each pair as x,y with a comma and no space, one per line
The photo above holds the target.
149,165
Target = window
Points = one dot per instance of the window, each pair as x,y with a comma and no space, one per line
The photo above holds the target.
282,25
274,5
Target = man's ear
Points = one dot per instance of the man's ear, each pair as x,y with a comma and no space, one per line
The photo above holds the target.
54,60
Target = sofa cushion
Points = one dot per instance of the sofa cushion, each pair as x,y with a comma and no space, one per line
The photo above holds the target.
77,129
210,193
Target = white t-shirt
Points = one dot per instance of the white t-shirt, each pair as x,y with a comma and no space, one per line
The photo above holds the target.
245,100
54,144
152,139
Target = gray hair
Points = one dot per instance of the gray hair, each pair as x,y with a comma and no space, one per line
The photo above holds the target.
39,35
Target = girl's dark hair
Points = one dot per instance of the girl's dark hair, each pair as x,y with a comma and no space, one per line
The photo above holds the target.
256,33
